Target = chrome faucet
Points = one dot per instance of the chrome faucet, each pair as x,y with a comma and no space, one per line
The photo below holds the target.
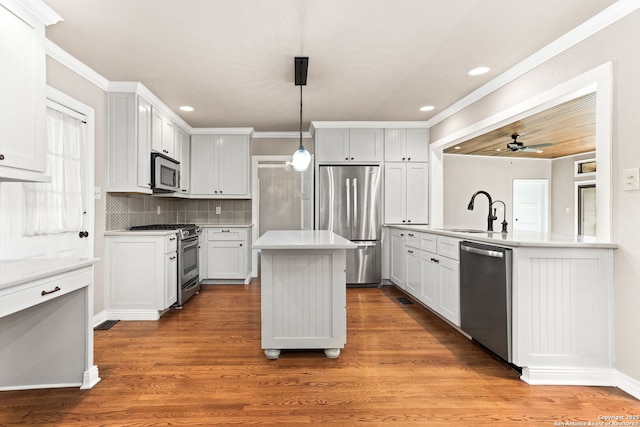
490,217
504,215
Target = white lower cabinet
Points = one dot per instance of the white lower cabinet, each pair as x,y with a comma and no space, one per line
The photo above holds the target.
427,267
397,267
225,252
141,275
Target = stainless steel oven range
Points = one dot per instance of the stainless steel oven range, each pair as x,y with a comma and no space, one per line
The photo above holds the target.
188,278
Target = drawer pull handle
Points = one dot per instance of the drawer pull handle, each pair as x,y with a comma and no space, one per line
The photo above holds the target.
56,289
410,235
173,257
226,231
172,238
435,260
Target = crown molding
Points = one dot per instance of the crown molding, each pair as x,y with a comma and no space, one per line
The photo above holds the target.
610,15
39,9
280,135
63,57
222,131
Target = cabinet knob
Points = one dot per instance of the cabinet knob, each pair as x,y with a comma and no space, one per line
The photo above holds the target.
1,156
401,234
346,158
408,220
410,234
352,158
240,244
403,159
408,158
404,220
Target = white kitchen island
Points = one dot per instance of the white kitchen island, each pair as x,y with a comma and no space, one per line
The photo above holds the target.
303,291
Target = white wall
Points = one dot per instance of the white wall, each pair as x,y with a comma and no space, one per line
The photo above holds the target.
616,44
464,175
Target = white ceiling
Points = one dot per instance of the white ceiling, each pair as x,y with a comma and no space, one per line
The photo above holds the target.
232,60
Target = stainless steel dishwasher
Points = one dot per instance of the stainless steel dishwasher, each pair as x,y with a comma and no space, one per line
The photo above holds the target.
485,295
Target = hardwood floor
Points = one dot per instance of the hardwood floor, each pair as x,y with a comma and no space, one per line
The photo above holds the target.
401,365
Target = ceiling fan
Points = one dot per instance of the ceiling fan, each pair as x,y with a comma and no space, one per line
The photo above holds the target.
516,145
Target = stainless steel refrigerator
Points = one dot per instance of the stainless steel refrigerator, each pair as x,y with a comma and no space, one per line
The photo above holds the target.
350,204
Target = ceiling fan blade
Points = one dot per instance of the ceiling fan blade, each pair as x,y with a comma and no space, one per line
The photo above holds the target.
547,144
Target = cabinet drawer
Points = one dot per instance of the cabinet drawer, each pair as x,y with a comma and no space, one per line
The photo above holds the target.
428,242
171,243
449,247
413,239
27,295
226,234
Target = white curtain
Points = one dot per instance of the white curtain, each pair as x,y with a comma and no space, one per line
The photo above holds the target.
57,207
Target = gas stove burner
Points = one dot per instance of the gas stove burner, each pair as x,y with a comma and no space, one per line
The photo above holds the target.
184,230
162,226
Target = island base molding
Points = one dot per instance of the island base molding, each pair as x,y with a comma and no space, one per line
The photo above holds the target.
570,376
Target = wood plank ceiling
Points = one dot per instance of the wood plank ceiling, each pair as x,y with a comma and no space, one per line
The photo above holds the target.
570,127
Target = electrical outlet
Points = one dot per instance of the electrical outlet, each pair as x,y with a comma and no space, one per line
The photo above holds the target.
218,210
158,210
631,180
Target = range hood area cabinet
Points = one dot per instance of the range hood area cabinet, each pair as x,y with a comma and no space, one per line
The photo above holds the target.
23,88
129,146
136,128
220,166
343,145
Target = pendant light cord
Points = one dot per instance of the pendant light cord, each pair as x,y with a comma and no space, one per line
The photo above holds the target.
301,117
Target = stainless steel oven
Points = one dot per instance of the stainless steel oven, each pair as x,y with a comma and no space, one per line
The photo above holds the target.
188,278
188,257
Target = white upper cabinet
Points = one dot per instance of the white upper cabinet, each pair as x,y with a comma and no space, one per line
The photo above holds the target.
349,145
406,145
406,188
162,134
183,155
220,166
129,148
22,89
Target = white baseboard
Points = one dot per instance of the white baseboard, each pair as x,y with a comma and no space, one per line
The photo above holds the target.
100,318
629,385
570,376
133,315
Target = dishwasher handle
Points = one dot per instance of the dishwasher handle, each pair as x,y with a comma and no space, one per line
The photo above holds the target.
483,252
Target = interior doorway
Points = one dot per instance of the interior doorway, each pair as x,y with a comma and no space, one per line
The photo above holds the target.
586,208
283,198
530,205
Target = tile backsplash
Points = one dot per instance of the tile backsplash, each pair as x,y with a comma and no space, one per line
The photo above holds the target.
125,210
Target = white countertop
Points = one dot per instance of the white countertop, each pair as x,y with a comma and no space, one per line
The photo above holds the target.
516,238
302,239
225,225
140,232
18,271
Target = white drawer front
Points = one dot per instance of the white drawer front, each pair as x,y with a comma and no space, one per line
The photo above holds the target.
428,242
449,247
27,295
413,239
226,234
171,244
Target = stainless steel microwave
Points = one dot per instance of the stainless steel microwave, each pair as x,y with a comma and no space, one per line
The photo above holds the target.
165,174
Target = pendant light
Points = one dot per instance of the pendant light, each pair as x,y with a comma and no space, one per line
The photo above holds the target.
301,158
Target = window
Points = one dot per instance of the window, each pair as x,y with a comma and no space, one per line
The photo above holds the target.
586,167
58,206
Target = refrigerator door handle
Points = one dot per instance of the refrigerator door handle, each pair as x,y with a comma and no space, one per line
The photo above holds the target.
348,202
355,202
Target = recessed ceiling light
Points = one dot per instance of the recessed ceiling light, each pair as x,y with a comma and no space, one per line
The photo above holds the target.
427,108
456,148
478,71
186,108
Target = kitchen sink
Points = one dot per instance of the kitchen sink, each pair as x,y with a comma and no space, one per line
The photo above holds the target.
463,230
